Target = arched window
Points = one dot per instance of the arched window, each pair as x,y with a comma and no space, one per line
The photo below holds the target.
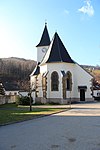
54,81
69,81
68,84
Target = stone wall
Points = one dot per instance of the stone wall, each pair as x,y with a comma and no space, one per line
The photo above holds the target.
7,99
60,101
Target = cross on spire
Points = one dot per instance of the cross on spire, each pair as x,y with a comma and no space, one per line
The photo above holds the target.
45,22
45,39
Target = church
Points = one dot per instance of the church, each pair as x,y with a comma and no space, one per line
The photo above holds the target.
57,78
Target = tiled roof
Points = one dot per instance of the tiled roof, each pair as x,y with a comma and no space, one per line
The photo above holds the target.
45,39
57,52
11,86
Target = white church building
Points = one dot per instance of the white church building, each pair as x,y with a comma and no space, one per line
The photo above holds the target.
57,78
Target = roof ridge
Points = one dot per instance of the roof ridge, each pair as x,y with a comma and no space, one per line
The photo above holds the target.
58,46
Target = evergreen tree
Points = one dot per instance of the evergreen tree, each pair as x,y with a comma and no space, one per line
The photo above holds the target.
2,92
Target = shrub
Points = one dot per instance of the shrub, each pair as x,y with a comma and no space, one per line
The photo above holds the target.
24,100
97,98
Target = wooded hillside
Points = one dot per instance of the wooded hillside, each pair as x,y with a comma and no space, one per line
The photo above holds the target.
16,70
94,70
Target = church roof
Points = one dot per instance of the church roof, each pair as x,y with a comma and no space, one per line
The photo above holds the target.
8,86
45,39
36,70
57,52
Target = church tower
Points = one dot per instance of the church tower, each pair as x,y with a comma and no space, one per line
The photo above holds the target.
43,45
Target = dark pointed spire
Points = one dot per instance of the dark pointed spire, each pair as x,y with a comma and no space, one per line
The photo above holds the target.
45,39
57,52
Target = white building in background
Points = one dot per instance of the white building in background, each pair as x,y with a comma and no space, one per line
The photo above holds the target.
57,78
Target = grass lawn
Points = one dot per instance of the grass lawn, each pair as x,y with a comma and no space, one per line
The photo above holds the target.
11,113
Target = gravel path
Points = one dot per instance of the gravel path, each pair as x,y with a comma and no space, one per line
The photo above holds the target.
76,129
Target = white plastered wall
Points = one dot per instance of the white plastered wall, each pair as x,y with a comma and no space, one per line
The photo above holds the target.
82,78
56,67
79,78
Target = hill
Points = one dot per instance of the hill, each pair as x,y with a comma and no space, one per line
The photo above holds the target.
16,70
94,70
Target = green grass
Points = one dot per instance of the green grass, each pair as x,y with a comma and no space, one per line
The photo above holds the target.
8,105
11,113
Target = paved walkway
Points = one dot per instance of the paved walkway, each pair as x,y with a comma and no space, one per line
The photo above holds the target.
76,129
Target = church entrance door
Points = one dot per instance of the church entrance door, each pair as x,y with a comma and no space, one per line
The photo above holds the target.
82,94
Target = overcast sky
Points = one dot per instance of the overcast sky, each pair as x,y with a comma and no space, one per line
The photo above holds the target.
76,22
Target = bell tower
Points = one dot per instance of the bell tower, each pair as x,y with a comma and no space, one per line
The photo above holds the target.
43,45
